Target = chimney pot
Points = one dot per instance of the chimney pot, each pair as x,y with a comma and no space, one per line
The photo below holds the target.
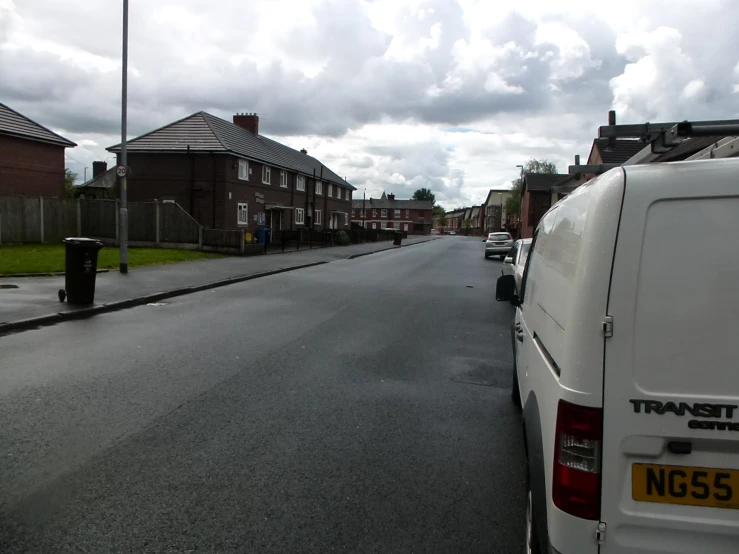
612,117
247,121
303,151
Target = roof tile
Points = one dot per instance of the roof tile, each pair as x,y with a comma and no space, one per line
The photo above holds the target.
14,124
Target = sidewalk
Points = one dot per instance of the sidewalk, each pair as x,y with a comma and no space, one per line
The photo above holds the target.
33,301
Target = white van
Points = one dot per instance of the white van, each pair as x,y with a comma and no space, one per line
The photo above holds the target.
626,340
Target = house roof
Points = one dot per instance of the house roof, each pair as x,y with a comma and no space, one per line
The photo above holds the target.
14,124
541,181
688,147
492,192
476,211
618,152
385,203
203,132
105,180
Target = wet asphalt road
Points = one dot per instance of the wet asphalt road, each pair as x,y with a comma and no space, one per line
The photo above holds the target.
359,406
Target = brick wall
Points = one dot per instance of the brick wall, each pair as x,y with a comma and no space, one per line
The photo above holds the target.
30,168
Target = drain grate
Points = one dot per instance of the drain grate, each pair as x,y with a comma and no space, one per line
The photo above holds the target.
8,286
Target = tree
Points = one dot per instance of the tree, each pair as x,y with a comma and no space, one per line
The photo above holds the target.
438,210
442,221
513,202
69,178
424,194
467,224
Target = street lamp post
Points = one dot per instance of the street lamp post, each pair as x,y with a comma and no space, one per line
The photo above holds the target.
124,155
501,210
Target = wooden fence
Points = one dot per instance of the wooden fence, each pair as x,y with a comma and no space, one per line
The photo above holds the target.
156,224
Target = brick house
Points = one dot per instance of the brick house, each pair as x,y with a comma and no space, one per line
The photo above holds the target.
413,216
536,199
455,219
31,157
492,208
228,176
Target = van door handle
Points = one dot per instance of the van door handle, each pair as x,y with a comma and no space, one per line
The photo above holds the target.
519,334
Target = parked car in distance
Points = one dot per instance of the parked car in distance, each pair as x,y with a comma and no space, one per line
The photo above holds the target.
435,232
515,262
451,232
498,244
628,381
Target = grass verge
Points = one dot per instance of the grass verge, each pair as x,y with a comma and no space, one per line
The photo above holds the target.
49,258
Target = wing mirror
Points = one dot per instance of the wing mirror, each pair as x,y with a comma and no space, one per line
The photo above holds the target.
508,260
505,290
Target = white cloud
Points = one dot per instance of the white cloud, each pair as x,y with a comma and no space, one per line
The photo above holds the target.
448,94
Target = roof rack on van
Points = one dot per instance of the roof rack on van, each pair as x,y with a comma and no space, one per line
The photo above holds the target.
660,138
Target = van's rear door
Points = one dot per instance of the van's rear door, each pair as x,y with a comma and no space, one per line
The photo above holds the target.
670,462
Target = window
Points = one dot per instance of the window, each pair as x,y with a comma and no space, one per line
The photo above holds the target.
319,187
283,179
397,225
299,216
261,218
330,190
374,225
338,193
243,170
242,214
397,213
374,213
266,174
407,213
318,217
405,226
300,185
388,225
384,213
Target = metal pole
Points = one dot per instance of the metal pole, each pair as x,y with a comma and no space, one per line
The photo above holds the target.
124,154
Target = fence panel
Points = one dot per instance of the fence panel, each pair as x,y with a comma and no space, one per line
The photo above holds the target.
20,219
60,219
218,238
142,221
176,225
98,218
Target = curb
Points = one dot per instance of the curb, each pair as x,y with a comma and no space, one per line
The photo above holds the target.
52,274
354,256
82,313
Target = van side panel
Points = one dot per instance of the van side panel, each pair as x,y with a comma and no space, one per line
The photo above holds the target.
672,360
564,304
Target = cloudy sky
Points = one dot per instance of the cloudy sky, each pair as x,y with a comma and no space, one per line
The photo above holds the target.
394,94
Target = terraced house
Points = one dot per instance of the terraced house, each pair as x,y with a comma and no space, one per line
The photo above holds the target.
228,176
411,216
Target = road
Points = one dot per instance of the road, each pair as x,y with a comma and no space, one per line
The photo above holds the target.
358,406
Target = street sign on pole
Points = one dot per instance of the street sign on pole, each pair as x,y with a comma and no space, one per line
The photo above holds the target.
121,170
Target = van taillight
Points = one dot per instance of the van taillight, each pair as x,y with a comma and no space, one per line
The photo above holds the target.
577,449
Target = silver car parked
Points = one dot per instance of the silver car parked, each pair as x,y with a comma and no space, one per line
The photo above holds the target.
498,244
515,262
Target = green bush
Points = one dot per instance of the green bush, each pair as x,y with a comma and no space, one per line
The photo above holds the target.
342,239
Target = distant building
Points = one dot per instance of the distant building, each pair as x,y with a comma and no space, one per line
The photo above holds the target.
387,212
31,157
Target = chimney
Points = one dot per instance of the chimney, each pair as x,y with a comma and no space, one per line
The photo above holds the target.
98,168
391,196
303,151
612,117
248,121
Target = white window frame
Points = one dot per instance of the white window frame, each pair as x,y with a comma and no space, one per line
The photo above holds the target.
283,179
262,218
384,213
405,226
319,188
242,213
374,213
243,170
330,192
407,214
300,216
300,183
396,225
338,192
266,172
318,217
397,213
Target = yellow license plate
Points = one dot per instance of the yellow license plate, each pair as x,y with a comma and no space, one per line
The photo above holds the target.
692,486
499,243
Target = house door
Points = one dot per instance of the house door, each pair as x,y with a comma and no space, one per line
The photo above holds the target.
276,220
334,221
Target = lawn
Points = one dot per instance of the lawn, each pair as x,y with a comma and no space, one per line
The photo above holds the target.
49,258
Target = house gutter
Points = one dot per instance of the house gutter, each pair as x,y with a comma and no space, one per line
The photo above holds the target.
213,157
